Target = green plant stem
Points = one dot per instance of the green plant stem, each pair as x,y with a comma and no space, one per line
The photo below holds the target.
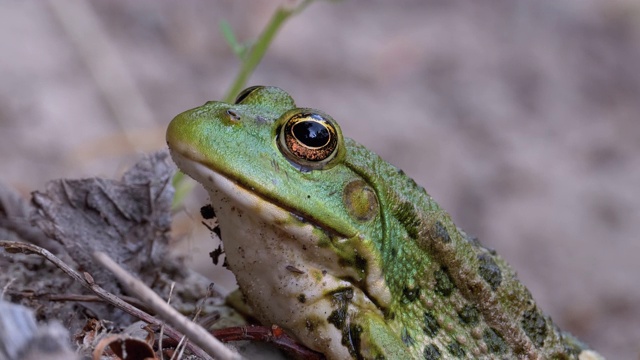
250,61
255,54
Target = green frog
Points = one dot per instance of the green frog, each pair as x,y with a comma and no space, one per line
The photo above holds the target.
343,250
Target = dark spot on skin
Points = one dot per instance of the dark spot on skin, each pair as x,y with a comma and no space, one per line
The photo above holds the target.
302,298
431,352
431,326
469,315
215,254
261,119
225,264
294,269
324,272
495,342
535,326
338,317
406,214
406,338
444,285
361,263
410,295
441,233
456,350
207,212
400,172
490,271
340,299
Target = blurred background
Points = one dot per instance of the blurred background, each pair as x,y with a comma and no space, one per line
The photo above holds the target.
521,117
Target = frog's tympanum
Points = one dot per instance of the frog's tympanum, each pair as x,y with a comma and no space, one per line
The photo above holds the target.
344,251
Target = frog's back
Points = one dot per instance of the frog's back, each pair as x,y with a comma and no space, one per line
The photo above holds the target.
451,297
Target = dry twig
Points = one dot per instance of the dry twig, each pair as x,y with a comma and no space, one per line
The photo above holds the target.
86,280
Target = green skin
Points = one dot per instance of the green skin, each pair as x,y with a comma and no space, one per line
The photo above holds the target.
348,254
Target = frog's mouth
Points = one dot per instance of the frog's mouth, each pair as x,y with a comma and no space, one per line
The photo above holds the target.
247,196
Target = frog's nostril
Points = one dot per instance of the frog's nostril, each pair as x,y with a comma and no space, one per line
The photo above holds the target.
233,116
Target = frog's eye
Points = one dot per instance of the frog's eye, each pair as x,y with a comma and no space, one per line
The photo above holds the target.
309,138
270,97
246,92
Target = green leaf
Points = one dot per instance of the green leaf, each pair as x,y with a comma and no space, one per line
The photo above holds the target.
227,32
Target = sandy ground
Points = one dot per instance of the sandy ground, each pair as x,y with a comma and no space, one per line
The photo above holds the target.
522,118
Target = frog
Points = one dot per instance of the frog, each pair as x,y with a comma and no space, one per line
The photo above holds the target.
343,250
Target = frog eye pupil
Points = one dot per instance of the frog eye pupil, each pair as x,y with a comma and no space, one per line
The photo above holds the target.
308,139
311,133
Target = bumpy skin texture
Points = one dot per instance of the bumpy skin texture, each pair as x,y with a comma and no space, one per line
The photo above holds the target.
351,256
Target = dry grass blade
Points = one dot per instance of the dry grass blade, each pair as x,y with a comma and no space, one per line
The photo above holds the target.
195,332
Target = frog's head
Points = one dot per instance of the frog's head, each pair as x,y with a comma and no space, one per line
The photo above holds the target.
272,152
298,210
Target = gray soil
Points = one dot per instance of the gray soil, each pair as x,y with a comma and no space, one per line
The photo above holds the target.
522,118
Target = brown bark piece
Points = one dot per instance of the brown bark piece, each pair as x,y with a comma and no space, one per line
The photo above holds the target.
127,219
